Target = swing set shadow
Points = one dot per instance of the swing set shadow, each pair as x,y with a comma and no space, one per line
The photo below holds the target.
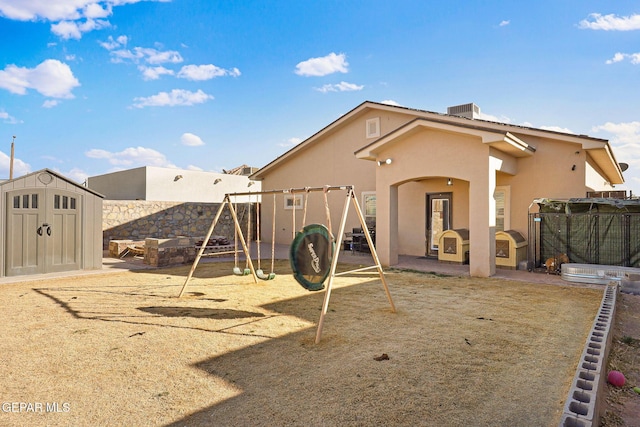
350,199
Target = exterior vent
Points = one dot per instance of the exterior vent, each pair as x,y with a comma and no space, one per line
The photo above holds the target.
373,127
470,111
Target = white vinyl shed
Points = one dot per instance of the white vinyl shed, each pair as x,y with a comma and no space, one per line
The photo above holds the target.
49,224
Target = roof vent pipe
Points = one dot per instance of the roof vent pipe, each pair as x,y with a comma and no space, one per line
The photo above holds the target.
470,111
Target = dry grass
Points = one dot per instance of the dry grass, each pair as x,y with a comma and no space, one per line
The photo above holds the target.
121,349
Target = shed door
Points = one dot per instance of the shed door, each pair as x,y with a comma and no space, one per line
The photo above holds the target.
43,231
63,234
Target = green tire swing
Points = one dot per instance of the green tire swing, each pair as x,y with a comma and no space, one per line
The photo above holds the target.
236,269
259,272
312,250
310,256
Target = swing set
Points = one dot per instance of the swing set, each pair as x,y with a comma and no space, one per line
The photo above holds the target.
312,254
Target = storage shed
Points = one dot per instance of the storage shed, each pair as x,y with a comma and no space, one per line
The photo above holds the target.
49,224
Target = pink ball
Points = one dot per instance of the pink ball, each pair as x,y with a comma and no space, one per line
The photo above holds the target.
616,378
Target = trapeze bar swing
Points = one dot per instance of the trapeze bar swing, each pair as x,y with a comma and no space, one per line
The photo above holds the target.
334,248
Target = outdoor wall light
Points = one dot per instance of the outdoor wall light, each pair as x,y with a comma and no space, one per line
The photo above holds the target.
250,183
384,162
178,177
449,181
217,181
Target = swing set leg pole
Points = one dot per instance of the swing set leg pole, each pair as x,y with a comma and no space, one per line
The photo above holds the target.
374,253
204,244
332,274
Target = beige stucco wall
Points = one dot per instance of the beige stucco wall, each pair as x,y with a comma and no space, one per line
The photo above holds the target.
593,178
329,161
423,158
412,216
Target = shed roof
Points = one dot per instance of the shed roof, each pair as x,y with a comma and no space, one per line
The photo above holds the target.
57,175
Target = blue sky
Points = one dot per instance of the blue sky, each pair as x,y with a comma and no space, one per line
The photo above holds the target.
92,86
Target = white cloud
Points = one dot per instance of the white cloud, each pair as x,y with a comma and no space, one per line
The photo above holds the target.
95,10
625,140
323,66
112,43
391,102
7,118
75,29
50,103
619,57
557,129
291,142
339,87
504,23
131,157
626,133
492,118
177,97
19,167
205,72
611,22
154,73
51,78
71,17
191,140
146,54
76,174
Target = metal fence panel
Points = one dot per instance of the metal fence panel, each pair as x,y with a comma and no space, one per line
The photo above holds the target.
586,238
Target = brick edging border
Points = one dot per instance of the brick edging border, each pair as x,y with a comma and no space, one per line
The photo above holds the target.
582,405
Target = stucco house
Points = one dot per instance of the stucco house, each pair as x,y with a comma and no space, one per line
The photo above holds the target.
418,173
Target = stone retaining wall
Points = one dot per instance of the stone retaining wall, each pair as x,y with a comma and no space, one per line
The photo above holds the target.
141,219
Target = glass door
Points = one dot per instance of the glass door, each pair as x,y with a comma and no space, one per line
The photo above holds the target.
438,214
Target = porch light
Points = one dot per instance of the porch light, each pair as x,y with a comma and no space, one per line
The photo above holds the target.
217,180
384,162
449,182
177,178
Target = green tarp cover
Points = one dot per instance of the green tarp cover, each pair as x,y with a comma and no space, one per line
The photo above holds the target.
588,205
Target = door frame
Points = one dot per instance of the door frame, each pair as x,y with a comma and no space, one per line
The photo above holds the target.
431,250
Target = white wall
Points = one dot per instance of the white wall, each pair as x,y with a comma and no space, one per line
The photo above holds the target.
171,185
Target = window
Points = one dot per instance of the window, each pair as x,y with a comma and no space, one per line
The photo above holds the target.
502,197
373,127
25,201
64,202
369,208
292,201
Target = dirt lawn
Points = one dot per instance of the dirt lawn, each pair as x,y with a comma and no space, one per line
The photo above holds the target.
122,349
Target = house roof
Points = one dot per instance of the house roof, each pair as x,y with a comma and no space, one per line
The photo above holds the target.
504,141
499,135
